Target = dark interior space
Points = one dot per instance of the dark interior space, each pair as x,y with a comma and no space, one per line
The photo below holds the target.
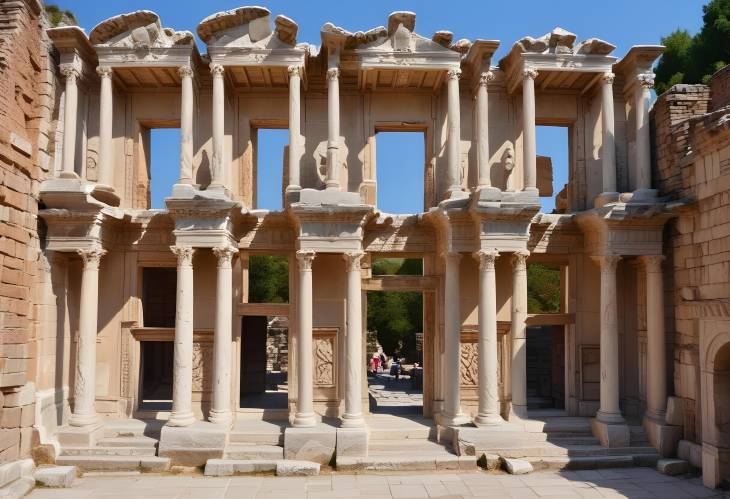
159,286
545,367
264,362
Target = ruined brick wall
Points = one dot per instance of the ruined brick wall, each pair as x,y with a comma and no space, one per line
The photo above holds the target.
26,105
692,164
720,88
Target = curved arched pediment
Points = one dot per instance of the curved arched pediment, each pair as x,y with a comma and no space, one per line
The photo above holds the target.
141,28
248,27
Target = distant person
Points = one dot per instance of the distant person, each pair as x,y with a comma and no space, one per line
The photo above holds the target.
383,360
376,363
371,366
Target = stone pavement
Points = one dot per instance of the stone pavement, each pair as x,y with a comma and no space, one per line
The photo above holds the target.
394,396
609,483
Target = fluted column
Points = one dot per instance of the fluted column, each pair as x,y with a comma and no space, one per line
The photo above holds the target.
489,412
218,174
69,121
608,149
643,140
304,415
609,411
84,412
519,334
352,418
220,411
483,129
656,360
452,414
453,142
333,129
295,77
529,144
186,125
105,179
182,375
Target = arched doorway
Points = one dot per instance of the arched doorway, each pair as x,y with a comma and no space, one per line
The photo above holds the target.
716,405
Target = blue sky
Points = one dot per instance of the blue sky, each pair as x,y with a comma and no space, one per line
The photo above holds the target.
621,22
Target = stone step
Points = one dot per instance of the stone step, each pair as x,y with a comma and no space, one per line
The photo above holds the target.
383,429
116,463
376,462
282,467
580,462
573,440
18,488
132,428
108,451
136,441
569,451
407,446
256,432
237,451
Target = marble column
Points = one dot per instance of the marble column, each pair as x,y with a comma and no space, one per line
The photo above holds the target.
333,129
182,375
186,125
529,144
220,411
84,412
656,359
484,179
295,77
105,178
70,109
518,372
608,148
489,410
453,142
217,170
609,411
643,139
304,416
452,415
352,417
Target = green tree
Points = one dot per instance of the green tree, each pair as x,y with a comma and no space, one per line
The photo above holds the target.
59,17
396,317
695,59
268,279
543,289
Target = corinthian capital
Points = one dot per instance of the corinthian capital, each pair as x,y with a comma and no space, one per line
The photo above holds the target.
333,74
653,263
353,259
184,255
608,263
305,259
104,71
91,257
216,69
519,260
225,255
486,258
454,74
69,71
529,73
295,71
646,80
185,71
485,78
608,78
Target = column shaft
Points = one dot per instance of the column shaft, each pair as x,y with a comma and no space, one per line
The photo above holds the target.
182,376
218,174
529,147
220,411
186,125
69,121
352,418
453,143
643,139
489,409
305,391
483,129
656,360
609,411
106,153
333,128
608,149
294,127
519,334
84,412
452,414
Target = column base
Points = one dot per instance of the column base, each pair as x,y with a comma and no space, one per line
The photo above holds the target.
81,420
352,421
69,175
488,420
317,443
517,412
456,194
220,417
663,437
611,434
304,420
460,419
352,442
181,419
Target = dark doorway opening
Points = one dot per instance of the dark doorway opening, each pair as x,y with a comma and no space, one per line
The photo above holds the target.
545,367
264,362
156,375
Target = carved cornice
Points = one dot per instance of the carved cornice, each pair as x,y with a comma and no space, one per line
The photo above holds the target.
333,74
353,259
608,263
104,71
185,71
216,70
646,80
608,78
305,259
653,263
529,73
519,260
91,257
184,255
486,259
225,255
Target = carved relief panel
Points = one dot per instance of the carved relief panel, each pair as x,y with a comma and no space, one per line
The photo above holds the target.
469,360
324,363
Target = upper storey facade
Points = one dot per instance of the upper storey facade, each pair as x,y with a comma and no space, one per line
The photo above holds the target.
131,75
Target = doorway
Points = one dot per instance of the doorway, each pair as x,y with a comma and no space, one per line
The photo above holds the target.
545,367
264,362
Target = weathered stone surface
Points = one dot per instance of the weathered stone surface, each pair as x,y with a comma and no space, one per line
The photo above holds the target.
55,476
229,467
310,444
516,466
192,445
611,435
672,466
296,468
352,442
691,452
675,411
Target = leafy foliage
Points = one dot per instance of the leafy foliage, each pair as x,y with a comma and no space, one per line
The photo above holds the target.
57,17
268,279
398,266
543,289
694,59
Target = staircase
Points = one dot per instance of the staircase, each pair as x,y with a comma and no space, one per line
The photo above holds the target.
254,446
124,445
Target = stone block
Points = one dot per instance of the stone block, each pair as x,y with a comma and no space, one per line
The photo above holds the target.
489,461
19,397
194,444
56,476
17,489
315,444
664,438
516,466
10,417
12,471
296,468
80,436
352,442
229,467
675,411
690,451
611,435
672,466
